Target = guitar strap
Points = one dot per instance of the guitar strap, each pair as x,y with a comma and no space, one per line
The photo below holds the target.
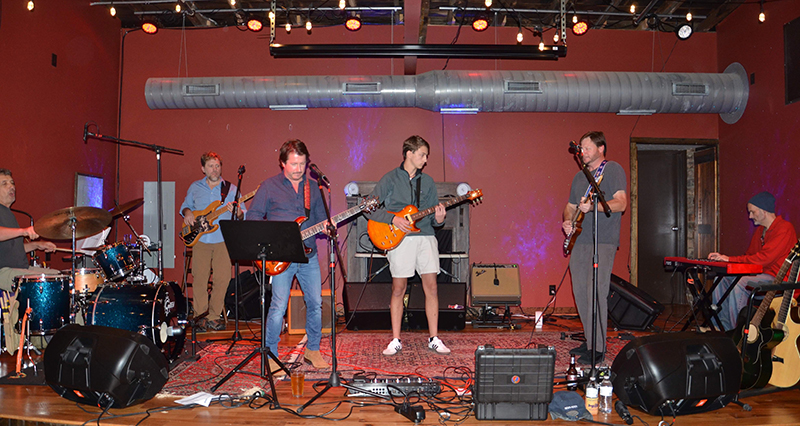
419,179
597,173
226,186
307,197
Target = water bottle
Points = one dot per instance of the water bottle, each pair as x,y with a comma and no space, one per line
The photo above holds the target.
606,392
572,375
592,396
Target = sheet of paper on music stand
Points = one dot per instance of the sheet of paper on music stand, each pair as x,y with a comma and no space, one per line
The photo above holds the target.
96,240
279,241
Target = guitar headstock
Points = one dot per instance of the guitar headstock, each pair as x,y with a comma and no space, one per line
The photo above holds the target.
476,196
795,253
369,204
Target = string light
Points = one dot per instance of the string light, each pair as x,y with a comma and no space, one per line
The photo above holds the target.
288,28
519,37
555,37
574,19
761,16
232,2
308,25
633,9
541,46
112,11
342,4
689,16
488,3
31,5
177,8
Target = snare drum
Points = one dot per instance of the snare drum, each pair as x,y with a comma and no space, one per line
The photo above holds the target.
48,297
156,311
86,279
116,261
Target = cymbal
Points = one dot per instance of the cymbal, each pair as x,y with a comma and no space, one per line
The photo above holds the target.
58,224
126,208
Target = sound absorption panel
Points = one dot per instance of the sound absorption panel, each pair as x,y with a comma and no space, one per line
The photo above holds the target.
495,284
677,373
104,366
297,312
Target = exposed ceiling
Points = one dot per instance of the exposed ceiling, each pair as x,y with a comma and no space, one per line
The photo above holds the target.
533,15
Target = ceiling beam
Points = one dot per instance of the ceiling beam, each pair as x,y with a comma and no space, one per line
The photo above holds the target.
717,15
601,21
412,29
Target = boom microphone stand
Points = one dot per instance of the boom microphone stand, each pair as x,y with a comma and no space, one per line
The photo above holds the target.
334,381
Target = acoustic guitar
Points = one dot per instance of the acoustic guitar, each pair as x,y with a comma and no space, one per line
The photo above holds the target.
786,355
761,337
274,267
386,236
577,220
204,220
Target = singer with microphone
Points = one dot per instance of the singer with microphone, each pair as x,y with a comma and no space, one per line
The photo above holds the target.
15,242
209,252
591,153
419,251
288,196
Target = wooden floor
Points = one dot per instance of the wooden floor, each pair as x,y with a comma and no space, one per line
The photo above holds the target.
40,405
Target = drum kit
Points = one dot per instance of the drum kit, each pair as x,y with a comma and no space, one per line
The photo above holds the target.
119,292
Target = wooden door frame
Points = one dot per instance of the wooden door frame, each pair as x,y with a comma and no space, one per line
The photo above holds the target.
634,194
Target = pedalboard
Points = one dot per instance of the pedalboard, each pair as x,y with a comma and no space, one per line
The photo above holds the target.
398,387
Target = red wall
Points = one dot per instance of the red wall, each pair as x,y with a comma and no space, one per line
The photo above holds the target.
759,152
43,107
519,160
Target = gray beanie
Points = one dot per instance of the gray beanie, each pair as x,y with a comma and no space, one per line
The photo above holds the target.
764,200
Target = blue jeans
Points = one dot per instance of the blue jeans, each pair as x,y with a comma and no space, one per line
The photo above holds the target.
308,275
737,299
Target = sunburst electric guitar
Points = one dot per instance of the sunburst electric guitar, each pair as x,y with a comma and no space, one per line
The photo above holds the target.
386,236
273,267
761,337
786,356
204,220
577,220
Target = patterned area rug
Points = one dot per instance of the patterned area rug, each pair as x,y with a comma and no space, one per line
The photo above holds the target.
361,352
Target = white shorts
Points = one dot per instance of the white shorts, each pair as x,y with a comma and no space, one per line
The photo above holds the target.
418,253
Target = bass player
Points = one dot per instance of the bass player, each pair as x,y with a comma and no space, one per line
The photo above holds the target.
210,251
592,152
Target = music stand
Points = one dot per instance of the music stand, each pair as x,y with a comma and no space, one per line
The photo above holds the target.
264,241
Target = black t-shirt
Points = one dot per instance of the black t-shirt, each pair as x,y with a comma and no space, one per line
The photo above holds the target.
12,252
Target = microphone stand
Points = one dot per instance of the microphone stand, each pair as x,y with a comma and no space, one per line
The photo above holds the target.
334,381
597,195
158,149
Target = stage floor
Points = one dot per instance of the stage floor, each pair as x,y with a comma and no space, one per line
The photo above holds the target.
23,404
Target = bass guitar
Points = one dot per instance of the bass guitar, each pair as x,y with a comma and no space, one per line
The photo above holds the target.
273,267
386,236
204,220
577,220
761,337
786,356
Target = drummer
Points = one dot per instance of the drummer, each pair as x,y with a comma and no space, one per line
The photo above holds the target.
13,249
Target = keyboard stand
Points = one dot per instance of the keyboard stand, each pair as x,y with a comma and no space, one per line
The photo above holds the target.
702,298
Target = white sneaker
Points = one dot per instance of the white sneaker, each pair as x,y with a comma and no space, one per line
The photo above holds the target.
437,345
394,347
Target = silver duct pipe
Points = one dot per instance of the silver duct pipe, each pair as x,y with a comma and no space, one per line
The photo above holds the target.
627,93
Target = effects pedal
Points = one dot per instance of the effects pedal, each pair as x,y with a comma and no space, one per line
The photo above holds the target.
395,386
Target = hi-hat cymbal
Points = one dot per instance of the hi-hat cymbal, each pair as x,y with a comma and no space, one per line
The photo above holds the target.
58,224
126,208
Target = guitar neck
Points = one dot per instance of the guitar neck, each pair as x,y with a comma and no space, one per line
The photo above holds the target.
216,213
316,229
422,213
787,264
787,296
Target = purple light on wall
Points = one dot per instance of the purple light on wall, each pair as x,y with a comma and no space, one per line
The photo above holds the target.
529,238
456,151
357,139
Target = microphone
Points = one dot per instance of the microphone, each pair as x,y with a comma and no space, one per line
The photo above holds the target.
241,169
85,132
623,412
319,174
574,148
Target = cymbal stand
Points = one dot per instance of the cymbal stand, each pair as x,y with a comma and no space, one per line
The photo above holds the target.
142,246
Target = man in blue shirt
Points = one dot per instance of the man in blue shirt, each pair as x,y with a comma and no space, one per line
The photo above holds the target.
286,197
210,252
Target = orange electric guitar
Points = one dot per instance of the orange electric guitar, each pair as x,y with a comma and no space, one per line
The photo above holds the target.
204,220
274,267
386,236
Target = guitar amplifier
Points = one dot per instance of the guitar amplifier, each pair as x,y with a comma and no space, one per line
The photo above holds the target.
495,284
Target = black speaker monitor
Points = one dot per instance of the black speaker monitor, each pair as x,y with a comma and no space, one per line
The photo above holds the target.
104,366
452,306
366,306
677,373
629,307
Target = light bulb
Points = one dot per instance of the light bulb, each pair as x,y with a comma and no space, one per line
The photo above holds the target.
31,5
555,37
308,25
232,2
178,8
519,37
689,16
271,15
113,11
541,46
574,19
488,3
633,8
288,27
342,4
762,17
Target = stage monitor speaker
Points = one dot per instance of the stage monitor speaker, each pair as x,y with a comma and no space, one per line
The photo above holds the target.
630,308
249,297
297,312
677,373
104,366
366,306
452,306
495,284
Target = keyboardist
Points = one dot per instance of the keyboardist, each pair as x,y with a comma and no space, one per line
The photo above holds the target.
771,243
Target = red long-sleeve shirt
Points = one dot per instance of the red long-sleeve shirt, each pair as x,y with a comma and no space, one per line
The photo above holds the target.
778,241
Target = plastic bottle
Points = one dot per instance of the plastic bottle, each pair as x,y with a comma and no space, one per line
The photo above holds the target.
606,393
592,391
572,375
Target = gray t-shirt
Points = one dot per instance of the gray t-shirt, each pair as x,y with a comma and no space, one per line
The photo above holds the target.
613,180
12,252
